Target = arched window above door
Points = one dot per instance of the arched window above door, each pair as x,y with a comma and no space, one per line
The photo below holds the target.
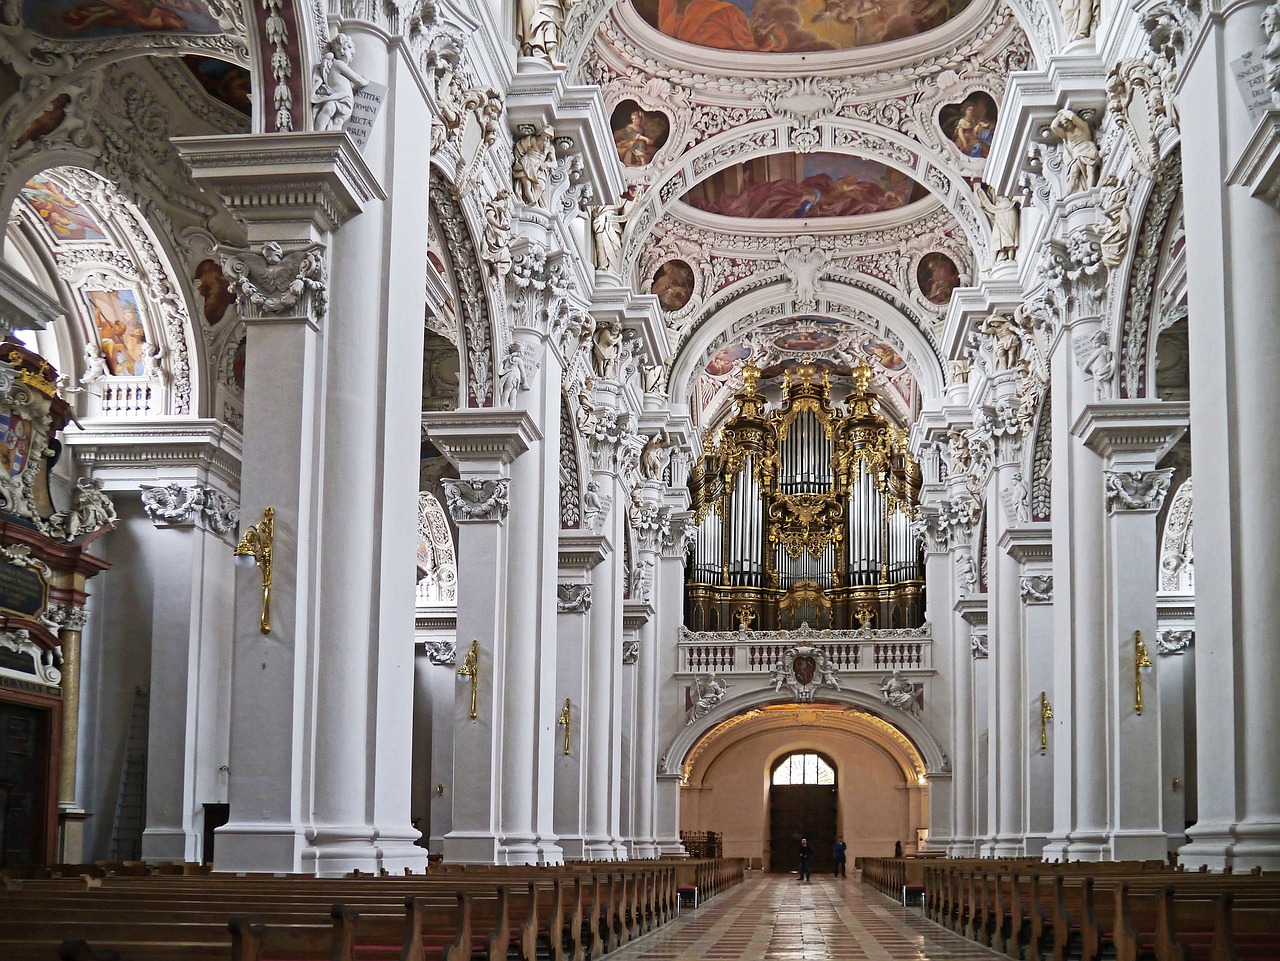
803,768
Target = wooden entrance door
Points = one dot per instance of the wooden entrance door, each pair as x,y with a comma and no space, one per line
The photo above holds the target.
801,811
24,784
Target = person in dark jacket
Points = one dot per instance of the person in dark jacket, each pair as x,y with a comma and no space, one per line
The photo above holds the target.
840,848
806,858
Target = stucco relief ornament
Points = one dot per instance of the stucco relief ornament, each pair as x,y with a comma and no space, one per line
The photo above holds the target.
442,652
707,693
1096,359
1005,214
515,373
497,235
477,499
1036,588
1114,240
804,669
630,651
608,221
595,507
1271,56
966,575
1079,17
1174,642
535,158
270,281
90,513
1081,158
277,34
1136,490
978,646
185,503
805,264
334,85
901,693
573,598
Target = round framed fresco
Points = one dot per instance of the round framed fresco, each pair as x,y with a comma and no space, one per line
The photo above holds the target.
673,284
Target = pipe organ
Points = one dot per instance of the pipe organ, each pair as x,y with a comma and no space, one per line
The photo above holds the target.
804,513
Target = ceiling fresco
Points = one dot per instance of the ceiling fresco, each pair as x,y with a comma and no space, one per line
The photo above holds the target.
226,82
802,186
827,342
795,26
65,217
97,19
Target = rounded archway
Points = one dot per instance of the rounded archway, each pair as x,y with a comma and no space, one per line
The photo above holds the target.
876,782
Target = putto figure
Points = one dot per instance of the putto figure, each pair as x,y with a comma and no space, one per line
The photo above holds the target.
333,92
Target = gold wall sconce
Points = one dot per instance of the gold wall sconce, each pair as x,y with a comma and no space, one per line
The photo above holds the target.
255,548
440,789
1046,715
565,718
1141,659
471,668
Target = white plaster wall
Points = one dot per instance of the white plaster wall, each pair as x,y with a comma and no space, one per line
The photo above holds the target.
729,795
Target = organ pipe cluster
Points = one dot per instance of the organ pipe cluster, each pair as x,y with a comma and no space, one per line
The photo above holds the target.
804,513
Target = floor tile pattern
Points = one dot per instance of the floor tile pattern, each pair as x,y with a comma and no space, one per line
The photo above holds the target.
778,918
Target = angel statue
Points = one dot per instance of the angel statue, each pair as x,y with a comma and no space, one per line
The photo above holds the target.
333,92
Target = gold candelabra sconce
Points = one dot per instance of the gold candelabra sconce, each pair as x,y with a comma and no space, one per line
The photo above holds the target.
864,613
1141,659
565,718
440,789
255,548
745,616
471,668
1046,715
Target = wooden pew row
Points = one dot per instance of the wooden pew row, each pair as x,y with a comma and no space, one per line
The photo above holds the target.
1130,910
606,910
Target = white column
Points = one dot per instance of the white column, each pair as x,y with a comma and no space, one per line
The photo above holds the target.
602,716
1031,545
491,753
580,552
1081,734
1007,702
307,404
669,714
1132,436
190,664
651,521
1232,323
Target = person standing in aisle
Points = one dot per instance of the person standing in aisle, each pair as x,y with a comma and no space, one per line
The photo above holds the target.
806,858
840,848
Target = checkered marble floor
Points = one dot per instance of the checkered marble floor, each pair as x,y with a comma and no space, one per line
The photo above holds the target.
778,917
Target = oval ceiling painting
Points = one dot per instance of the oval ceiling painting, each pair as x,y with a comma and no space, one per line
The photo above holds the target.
804,185
795,26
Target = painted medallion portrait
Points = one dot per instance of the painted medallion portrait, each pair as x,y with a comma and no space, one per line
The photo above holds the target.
67,219
638,134
795,26
673,284
95,19
800,186
971,124
120,335
937,276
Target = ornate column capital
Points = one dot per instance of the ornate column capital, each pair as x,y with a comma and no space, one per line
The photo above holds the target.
66,617
978,648
442,652
652,525
176,504
477,499
681,533
1174,641
573,598
1136,490
1036,588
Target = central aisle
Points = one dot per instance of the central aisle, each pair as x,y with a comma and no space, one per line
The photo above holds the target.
775,916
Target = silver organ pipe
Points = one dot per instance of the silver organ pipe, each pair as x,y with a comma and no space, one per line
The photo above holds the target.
863,568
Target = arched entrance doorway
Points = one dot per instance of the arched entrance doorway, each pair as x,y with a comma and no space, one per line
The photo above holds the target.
802,804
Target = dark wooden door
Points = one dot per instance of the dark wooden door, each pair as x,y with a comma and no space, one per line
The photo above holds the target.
24,784
801,811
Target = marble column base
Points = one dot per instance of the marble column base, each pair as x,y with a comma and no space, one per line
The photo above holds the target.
1139,845
248,846
168,844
